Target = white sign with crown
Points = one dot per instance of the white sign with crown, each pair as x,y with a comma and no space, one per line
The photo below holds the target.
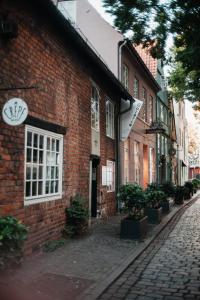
15,111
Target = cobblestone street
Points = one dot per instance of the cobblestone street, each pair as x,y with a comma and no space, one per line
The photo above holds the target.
170,268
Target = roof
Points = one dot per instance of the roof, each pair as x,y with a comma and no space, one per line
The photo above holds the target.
68,31
144,67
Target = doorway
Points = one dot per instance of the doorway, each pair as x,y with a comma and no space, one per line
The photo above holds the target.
94,185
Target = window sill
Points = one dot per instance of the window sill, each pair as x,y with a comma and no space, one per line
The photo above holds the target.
112,138
42,200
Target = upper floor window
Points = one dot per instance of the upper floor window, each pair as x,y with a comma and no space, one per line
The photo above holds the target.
43,165
150,109
162,112
95,108
109,119
125,76
136,88
144,99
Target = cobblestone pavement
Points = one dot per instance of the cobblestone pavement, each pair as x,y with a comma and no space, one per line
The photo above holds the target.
169,268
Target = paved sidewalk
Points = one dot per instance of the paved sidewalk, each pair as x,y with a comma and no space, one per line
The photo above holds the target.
82,268
169,268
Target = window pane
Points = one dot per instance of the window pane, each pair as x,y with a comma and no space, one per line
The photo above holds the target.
52,186
41,157
47,187
41,142
28,155
29,139
56,186
40,187
57,159
35,154
53,145
57,145
28,189
34,172
48,143
48,172
57,172
34,188
48,158
28,173
40,172
35,140
52,172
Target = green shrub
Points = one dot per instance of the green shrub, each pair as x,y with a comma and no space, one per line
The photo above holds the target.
196,183
168,188
76,217
133,200
12,236
155,198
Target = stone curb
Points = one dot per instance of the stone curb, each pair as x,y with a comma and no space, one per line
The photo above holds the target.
94,291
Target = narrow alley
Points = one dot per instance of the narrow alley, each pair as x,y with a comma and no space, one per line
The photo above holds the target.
170,268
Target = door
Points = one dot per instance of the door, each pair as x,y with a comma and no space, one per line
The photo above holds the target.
94,184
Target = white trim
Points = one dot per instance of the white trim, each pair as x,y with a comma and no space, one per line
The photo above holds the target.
48,197
37,200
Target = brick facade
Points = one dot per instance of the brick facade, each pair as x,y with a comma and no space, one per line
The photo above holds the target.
57,78
138,132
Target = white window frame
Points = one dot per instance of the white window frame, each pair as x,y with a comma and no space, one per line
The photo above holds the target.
95,109
108,172
110,119
125,76
46,134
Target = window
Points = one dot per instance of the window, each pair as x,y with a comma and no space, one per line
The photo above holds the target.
151,165
150,109
158,144
144,99
136,88
125,76
162,112
43,167
137,161
109,119
126,161
108,175
95,109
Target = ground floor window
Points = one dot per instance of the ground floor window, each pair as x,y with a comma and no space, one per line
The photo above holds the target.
137,161
43,165
108,176
151,165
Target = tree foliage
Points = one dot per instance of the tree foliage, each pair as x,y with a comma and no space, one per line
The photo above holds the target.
153,20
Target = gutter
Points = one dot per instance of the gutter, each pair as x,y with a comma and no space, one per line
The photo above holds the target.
118,116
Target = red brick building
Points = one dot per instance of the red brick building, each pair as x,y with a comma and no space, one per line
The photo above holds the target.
139,150
68,143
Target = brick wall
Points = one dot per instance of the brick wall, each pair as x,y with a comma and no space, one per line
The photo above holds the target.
60,93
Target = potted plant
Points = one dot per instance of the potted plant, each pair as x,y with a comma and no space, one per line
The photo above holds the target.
188,190
169,189
134,225
179,195
154,210
196,184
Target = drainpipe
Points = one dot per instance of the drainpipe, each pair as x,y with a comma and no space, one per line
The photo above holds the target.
118,133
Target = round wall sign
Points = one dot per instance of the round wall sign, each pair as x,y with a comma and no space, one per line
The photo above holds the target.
15,111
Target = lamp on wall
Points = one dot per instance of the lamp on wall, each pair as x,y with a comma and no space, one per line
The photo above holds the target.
156,127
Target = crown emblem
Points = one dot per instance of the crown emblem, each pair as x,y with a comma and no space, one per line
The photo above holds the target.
15,111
